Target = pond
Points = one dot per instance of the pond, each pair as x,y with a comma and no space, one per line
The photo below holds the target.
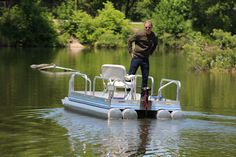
34,122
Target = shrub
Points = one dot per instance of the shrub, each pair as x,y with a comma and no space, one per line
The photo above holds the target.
82,27
108,29
224,60
224,39
111,21
171,22
13,26
109,40
170,17
197,59
206,54
28,24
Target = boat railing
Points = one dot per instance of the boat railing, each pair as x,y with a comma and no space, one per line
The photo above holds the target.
166,82
150,78
86,79
94,82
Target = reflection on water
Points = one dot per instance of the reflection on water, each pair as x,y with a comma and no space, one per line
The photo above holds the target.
57,132
148,137
27,134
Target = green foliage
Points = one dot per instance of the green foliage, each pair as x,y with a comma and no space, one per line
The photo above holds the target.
12,26
170,17
109,26
194,50
111,20
172,41
208,14
142,10
171,22
109,40
65,10
224,39
63,39
81,27
207,54
197,58
28,25
224,60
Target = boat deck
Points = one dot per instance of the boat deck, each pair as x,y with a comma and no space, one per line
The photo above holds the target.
119,101
120,95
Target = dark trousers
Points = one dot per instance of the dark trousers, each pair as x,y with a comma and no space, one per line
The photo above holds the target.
144,64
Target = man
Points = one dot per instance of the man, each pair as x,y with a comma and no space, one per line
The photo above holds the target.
145,43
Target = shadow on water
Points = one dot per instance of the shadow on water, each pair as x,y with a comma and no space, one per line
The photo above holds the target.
148,137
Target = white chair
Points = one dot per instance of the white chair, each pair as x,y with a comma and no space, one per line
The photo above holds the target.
115,76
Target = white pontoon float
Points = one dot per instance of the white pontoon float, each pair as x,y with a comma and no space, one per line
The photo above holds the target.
119,99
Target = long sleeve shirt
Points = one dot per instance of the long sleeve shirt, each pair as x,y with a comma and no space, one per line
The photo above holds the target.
144,44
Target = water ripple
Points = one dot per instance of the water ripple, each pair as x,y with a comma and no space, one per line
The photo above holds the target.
199,134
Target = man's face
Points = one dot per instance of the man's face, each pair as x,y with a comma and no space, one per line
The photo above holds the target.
148,27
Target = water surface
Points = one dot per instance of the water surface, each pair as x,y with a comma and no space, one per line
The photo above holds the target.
34,123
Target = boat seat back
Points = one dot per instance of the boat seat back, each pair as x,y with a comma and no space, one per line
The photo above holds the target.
113,71
117,77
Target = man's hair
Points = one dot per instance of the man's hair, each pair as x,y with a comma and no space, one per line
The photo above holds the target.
148,21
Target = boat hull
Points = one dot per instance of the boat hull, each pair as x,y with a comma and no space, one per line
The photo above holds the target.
85,108
99,106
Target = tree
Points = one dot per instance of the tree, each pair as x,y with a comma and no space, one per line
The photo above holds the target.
208,14
170,16
111,24
108,27
27,24
142,10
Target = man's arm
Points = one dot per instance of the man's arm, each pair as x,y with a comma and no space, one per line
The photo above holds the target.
130,43
155,42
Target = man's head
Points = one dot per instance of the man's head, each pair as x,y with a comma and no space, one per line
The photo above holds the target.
148,26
